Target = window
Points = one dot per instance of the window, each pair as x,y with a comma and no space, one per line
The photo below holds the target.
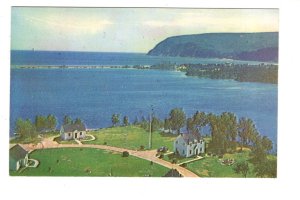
190,151
80,133
176,142
69,134
200,149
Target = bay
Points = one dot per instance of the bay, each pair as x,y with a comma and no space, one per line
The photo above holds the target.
95,94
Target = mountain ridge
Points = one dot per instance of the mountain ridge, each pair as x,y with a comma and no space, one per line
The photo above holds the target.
260,46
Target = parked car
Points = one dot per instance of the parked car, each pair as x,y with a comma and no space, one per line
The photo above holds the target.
162,149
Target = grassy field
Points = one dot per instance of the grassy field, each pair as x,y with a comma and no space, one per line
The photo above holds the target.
211,167
131,137
89,162
35,140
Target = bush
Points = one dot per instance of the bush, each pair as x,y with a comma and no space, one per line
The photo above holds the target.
161,156
174,161
125,154
142,147
105,143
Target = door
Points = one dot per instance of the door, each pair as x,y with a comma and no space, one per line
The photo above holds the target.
75,135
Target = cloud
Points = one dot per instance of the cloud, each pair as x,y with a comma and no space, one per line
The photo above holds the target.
68,25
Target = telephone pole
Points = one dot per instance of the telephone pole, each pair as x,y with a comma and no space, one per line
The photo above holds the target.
150,127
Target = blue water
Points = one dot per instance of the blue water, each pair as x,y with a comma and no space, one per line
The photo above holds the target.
95,58
95,94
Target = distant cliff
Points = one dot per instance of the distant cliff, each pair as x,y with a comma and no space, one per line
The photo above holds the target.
238,46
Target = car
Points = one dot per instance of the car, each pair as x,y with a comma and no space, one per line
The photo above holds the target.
162,149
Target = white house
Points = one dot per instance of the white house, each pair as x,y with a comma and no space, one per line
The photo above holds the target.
18,157
72,131
189,144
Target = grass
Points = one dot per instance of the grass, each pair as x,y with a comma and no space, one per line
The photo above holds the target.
35,139
89,162
211,167
130,137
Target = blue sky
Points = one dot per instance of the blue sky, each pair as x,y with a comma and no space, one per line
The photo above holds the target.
126,29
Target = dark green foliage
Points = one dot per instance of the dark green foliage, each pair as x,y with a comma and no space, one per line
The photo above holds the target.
45,123
115,119
67,120
125,154
240,72
268,168
242,168
25,128
239,46
125,121
77,121
177,119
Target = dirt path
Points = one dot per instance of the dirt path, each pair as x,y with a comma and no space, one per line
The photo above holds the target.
146,155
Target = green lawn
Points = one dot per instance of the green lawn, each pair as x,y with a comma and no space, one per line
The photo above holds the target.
211,167
131,137
89,162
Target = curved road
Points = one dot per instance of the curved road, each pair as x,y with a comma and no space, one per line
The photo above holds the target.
147,155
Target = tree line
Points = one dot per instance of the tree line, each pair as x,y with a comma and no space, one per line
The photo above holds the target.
41,124
226,131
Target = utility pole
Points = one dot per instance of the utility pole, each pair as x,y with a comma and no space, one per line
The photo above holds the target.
150,127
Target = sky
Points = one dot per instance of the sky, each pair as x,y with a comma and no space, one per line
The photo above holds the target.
126,29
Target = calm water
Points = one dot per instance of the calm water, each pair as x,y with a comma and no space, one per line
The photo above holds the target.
95,94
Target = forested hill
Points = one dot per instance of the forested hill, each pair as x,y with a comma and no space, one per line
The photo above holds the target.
238,46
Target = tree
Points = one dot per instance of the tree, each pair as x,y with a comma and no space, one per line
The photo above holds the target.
25,128
144,123
155,123
115,119
246,130
190,126
167,124
77,121
40,123
268,168
200,120
67,120
125,121
242,168
177,119
136,121
52,122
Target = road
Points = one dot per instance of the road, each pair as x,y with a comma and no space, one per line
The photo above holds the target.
146,155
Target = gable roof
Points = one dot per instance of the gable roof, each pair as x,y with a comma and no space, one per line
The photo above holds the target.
187,137
17,152
172,173
73,127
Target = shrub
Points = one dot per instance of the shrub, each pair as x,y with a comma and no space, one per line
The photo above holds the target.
142,147
125,154
105,143
161,156
174,161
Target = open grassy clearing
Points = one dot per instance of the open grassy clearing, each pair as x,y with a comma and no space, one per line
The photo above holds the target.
131,137
89,162
211,167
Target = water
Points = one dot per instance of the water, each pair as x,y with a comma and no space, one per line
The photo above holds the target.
95,94
94,58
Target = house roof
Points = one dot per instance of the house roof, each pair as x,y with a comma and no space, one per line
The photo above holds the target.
187,137
73,127
17,152
172,173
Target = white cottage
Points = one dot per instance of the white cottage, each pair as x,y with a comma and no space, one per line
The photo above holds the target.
72,131
18,157
189,144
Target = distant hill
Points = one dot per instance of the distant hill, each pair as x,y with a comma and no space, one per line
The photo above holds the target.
239,46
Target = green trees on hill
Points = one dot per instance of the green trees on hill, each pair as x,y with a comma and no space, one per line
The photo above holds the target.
45,123
25,128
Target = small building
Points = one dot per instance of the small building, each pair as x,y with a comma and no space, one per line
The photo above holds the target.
173,173
18,157
189,144
73,131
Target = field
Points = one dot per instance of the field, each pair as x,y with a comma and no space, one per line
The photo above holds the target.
131,137
211,167
89,162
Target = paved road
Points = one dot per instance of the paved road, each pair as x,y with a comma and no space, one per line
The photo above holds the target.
147,155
